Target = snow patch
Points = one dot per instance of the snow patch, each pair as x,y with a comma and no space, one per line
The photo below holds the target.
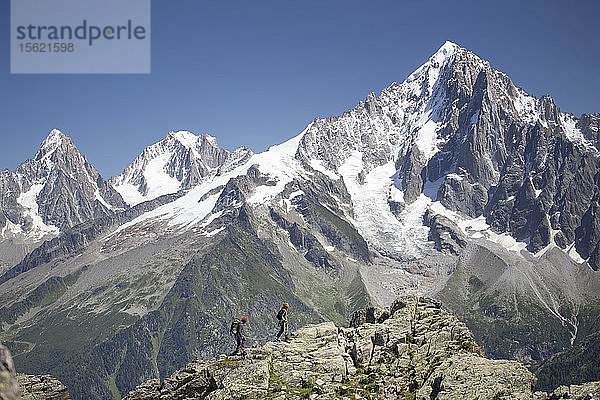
572,252
99,197
477,228
574,134
454,176
526,106
374,220
475,118
396,194
427,138
29,202
317,165
186,138
277,162
213,233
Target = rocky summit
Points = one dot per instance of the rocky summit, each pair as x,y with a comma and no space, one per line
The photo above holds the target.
410,350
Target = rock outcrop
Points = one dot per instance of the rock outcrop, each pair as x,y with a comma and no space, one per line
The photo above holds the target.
15,386
9,388
42,387
446,235
412,349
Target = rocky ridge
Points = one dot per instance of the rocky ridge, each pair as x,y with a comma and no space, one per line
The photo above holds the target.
57,189
178,162
459,133
412,349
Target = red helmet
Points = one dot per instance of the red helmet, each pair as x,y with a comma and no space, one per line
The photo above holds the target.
244,320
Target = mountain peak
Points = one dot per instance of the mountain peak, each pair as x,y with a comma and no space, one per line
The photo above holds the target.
186,138
191,140
179,161
448,48
53,141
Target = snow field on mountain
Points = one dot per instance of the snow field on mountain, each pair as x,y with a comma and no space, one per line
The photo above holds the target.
372,214
153,163
29,202
277,162
184,212
98,196
371,128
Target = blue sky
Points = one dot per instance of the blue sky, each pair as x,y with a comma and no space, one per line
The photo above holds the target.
256,73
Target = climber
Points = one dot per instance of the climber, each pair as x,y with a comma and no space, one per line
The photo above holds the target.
237,329
283,322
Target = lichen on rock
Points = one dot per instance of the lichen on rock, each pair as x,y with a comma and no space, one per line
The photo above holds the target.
412,349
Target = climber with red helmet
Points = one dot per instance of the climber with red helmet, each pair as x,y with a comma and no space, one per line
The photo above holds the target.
237,329
283,322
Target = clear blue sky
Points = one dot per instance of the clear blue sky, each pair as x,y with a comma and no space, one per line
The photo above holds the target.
256,73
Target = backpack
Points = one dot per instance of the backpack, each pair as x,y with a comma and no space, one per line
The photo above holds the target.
234,327
280,314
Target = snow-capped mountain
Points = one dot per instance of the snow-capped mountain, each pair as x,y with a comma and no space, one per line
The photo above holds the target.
455,171
55,190
180,161
457,138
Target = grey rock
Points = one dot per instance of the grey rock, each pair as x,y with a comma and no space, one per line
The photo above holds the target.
468,376
69,186
42,387
9,387
457,193
420,352
370,315
586,391
589,124
446,235
412,177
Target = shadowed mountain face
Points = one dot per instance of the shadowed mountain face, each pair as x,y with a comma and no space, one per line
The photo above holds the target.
452,182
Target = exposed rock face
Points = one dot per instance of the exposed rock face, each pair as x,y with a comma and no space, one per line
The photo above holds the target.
42,387
589,124
420,350
587,391
77,237
27,387
496,379
54,191
9,387
444,233
490,148
458,194
67,189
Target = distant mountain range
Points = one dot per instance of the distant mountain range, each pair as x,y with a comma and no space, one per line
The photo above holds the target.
453,183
